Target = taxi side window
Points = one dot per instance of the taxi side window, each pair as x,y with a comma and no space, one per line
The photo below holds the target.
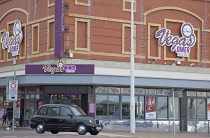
42,111
53,111
65,111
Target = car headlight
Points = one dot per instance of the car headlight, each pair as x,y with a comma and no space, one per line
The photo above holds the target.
91,121
100,122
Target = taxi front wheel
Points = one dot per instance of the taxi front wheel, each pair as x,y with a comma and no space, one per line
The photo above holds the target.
40,128
81,129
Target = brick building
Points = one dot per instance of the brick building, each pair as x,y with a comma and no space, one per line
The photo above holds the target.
78,52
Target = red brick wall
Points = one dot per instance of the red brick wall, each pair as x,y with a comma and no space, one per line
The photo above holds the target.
103,37
107,18
28,13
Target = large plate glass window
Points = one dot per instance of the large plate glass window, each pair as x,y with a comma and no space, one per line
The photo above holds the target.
113,103
141,109
101,105
201,108
162,108
191,108
126,107
170,108
196,108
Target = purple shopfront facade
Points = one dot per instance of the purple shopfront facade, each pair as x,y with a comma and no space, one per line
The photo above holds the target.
62,93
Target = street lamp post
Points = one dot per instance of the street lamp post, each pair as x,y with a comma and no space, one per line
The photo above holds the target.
13,116
132,98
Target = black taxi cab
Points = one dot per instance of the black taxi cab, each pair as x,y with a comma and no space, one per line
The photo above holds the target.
64,118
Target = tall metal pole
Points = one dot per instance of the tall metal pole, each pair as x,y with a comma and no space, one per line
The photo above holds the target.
13,114
132,98
173,113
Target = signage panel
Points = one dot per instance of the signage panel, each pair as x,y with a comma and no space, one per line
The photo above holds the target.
60,68
151,107
12,43
13,90
91,107
180,45
208,109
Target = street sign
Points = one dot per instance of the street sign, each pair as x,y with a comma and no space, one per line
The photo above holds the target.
13,90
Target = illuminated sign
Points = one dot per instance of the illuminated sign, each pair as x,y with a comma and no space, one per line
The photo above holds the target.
180,45
13,43
52,70
60,68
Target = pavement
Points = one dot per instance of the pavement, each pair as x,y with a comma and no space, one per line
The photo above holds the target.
119,133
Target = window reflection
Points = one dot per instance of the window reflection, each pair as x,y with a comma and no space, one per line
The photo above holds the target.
141,107
113,102
170,108
126,107
191,108
101,104
196,108
201,110
162,108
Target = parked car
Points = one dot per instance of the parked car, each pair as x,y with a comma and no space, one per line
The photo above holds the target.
64,118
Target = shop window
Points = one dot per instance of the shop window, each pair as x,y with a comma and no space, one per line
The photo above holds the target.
201,109
150,107
141,110
208,109
196,108
113,104
126,107
196,105
170,108
101,105
162,108
191,108
35,38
